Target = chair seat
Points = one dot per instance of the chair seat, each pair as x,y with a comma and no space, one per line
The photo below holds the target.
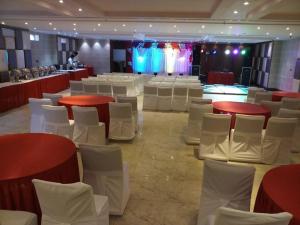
9,217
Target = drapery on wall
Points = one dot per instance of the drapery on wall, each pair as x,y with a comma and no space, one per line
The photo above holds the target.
162,58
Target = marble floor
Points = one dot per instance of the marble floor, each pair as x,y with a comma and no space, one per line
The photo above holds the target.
165,178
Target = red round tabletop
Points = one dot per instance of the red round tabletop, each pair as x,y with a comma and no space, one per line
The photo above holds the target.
234,108
278,95
28,156
279,192
100,102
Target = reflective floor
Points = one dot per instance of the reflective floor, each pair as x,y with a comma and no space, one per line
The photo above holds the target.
165,178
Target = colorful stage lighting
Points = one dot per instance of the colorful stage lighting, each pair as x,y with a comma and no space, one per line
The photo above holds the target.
235,51
243,52
140,59
214,51
227,52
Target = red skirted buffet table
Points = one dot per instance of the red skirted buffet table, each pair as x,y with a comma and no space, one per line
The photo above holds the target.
79,73
279,191
278,95
100,102
215,77
234,108
28,156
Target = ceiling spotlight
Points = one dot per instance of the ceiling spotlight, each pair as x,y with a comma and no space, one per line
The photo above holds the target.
134,30
175,26
74,24
50,24
115,30
235,51
54,28
258,28
267,33
277,38
34,28
61,1
74,29
221,32
3,23
246,3
123,25
235,12
203,26
227,52
178,31
150,25
80,9
291,34
243,52
287,28
99,24
230,27
26,23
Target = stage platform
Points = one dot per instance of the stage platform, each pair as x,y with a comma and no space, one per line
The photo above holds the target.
225,89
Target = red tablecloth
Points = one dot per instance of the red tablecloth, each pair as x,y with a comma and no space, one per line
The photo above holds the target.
278,95
241,108
15,95
79,73
90,70
220,78
28,156
100,102
280,192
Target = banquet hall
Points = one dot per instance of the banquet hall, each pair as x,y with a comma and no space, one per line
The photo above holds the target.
122,112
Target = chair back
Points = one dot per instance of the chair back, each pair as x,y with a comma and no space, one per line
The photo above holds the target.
289,113
105,88
273,106
290,103
120,110
200,101
119,90
216,123
35,105
228,216
252,91
263,96
150,90
281,127
195,92
90,88
249,124
76,85
127,99
164,91
54,97
55,114
180,91
65,202
87,116
197,111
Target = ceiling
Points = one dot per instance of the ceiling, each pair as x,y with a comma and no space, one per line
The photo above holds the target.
178,20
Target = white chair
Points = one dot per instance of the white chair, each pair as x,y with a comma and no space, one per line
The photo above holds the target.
214,136
90,89
122,124
119,90
164,98
104,170
53,97
277,141
195,122
245,139
150,97
76,87
228,216
71,204
105,90
272,106
252,92
87,128
57,122
12,217
224,185
36,113
290,103
200,101
195,93
133,101
179,101
289,113
263,96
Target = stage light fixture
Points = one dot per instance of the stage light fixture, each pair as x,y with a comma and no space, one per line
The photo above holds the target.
214,51
243,52
235,51
227,52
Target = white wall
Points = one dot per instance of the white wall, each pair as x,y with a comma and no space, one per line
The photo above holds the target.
95,53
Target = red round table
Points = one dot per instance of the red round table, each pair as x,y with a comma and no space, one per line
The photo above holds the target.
279,191
278,95
28,156
241,108
100,102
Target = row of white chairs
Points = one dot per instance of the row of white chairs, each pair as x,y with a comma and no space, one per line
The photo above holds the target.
226,194
247,142
168,98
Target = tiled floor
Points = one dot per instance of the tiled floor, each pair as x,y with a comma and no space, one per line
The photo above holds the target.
165,178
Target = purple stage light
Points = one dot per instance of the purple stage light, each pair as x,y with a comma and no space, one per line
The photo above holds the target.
235,51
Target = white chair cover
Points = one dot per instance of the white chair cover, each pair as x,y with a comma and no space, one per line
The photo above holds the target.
252,92
179,102
245,141
214,136
10,217
224,185
273,106
277,141
104,170
119,90
289,113
57,122
87,128
200,101
36,113
122,124
105,89
90,89
76,87
227,216
262,96
195,122
150,97
133,101
195,93
164,98
290,103
72,204
53,97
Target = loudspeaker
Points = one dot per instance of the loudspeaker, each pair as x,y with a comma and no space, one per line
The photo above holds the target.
246,76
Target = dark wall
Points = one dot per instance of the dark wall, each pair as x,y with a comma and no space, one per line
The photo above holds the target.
127,66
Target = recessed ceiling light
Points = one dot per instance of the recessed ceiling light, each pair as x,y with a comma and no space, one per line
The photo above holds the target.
221,32
61,1
50,24
74,29
74,24
80,9
267,33
150,25
287,28
54,28
34,28
258,28
99,24
123,25
3,23
26,23
134,30
277,38
115,29
174,25
246,3
230,27
178,31
291,34
203,26
235,12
